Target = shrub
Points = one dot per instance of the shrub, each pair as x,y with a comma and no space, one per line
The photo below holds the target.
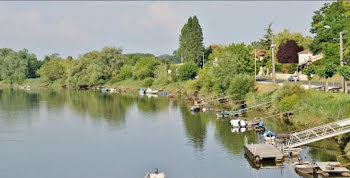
125,72
240,85
161,73
148,82
288,97
145,67
188,71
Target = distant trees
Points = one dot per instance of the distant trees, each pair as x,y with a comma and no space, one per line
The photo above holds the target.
288,52
326,71
191,41
145,67
15,67
52,70
327,23
309,71
188,70
345,72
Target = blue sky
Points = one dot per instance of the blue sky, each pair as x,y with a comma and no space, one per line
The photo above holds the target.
74,28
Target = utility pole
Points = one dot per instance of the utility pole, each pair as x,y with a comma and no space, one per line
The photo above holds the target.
273,61
255,62
203,61
341,61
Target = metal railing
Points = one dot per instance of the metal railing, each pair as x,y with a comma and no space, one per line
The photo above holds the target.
318,133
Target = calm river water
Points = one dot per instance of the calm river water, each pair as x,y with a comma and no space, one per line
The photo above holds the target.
84,134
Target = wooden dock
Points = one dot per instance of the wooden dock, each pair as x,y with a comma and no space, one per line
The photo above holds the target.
258,152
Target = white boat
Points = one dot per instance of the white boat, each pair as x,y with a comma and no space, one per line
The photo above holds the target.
151,91
238,123
155,174
305,167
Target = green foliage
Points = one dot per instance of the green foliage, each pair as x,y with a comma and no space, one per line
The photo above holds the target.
192,85
326,71
240,85
288,68
161,73
299,38
169,58
288,97
345,71
96,67
125,72
188,71
132,58
207,80
266,41
235,59
145,67
309,71
52,70
16,66
326,24
148,82
191,41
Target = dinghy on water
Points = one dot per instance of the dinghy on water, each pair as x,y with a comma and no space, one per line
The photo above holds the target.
155,174
305,167
238,123
142,91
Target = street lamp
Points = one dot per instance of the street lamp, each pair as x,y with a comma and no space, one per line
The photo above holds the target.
255,62
273,61
342,81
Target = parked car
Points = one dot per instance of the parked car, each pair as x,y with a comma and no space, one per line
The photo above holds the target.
293,78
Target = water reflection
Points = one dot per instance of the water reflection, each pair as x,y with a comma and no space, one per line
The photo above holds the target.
233,142
195,126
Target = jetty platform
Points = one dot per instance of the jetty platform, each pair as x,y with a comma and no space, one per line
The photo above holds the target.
258,152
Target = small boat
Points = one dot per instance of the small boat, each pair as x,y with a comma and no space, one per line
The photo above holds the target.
155,174
112,90
163,93
104,90
238,123
305,167
195,108
222,114
142,91
269,136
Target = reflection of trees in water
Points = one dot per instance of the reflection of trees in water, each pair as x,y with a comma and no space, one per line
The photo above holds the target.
152,104
99,105
195,126
325,150
232,141
54,99
17,104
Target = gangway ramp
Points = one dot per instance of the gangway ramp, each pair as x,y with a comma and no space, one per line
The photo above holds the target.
318,133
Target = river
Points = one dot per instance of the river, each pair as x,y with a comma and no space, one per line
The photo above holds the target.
86,134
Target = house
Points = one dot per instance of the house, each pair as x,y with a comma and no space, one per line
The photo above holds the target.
304,56
260,53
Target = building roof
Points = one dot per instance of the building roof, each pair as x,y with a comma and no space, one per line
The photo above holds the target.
305,52
260,52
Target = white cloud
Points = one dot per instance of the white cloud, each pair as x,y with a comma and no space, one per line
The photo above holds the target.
30,24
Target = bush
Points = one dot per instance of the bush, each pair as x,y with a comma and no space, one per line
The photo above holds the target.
289,68
144,68
125,72
188,71
288,97
148,82
240,85
161,73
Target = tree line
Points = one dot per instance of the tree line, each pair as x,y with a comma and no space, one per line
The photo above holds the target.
216,68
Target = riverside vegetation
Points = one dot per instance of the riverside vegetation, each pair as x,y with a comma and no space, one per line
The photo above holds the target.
212,70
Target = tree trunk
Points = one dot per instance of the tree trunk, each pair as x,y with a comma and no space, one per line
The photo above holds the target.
326,84
346,87
309,84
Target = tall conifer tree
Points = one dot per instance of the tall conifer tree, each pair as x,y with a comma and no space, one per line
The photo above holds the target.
191,41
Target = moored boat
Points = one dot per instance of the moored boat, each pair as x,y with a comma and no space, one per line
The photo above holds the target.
222,114
305,168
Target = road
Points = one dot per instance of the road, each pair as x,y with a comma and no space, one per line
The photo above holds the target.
330,82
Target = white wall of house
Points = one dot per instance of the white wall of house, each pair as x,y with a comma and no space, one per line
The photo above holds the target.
302,58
